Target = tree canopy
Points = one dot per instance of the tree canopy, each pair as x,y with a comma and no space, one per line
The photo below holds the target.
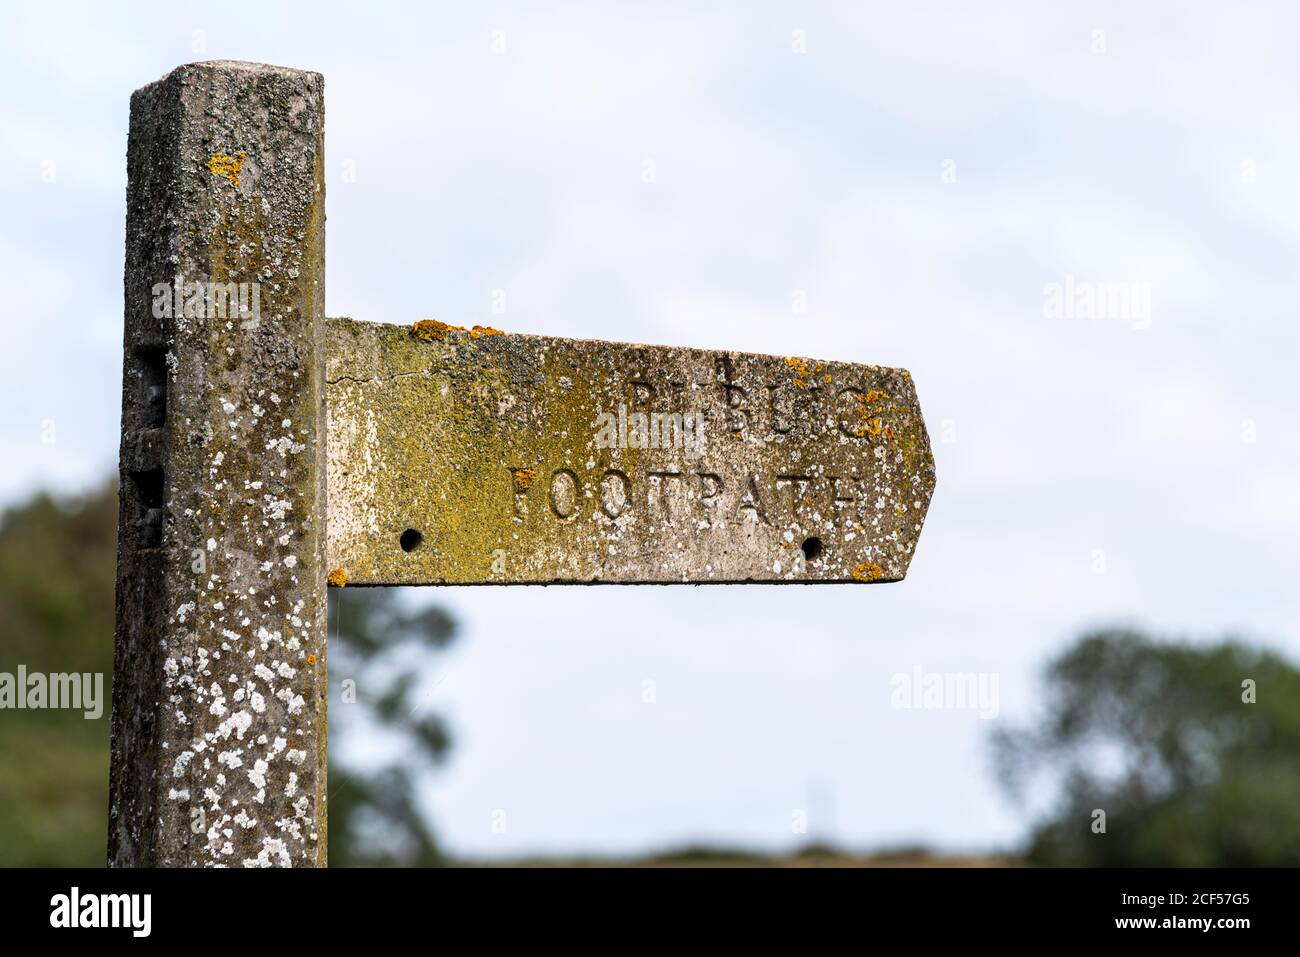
1191,751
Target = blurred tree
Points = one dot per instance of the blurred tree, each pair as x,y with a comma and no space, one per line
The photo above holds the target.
57,571
380,693
57,578
1165,740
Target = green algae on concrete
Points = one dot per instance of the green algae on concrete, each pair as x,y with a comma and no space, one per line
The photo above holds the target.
457,456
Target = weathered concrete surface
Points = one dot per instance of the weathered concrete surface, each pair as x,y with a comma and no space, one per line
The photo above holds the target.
218,751
488,453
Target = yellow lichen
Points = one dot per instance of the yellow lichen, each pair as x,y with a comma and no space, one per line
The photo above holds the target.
311,659
524,479
867,572
338,578
227,166
873,424
431,329
804,370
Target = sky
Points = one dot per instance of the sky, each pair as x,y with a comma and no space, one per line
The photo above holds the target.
1077,225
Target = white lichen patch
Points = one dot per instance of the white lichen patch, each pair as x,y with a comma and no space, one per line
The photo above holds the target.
274,853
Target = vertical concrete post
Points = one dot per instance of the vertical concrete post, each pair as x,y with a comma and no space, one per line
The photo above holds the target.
219,696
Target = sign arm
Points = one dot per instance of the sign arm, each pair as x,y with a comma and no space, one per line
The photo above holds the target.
471,456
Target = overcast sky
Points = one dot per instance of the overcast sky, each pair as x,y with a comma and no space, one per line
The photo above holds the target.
919,175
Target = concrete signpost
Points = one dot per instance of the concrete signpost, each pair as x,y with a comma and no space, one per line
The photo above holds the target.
267,451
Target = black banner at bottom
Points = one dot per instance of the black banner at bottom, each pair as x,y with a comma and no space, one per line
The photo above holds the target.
614,906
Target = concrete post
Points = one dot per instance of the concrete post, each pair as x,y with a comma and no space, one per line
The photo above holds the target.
219,696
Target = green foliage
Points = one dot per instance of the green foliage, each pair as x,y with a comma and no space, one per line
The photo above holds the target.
57,569
1158,736
382,689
